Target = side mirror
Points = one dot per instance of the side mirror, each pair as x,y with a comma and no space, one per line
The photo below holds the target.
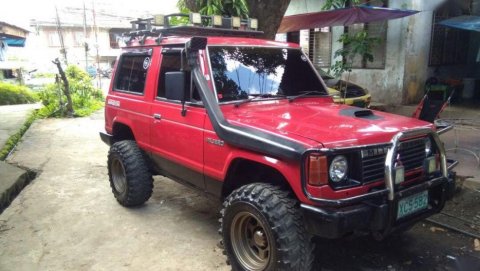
175,86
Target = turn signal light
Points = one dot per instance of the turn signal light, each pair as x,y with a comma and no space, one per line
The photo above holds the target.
317,170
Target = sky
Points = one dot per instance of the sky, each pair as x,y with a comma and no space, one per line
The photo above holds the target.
20,12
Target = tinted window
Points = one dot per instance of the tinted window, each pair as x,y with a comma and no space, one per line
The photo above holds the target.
241,72
132,73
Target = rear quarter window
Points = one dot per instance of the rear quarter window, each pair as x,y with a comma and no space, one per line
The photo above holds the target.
132,72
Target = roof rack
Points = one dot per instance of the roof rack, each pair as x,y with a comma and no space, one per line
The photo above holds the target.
194,25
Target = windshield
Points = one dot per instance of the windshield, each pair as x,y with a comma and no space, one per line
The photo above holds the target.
246,72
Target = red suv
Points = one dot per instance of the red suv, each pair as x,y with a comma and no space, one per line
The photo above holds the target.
250,121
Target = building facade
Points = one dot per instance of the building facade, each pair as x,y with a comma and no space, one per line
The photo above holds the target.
411,49
84,46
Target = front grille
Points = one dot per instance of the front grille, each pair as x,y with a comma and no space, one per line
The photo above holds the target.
412,153
373,164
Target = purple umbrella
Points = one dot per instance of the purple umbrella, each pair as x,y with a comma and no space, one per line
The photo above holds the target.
343,16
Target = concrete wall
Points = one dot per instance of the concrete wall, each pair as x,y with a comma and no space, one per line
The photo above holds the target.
386,85
407,53
408,48
417,50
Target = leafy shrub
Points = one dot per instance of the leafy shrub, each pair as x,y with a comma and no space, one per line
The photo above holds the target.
85,97
43,75
15,94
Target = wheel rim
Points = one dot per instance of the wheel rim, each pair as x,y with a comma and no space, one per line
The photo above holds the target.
118,176
250,242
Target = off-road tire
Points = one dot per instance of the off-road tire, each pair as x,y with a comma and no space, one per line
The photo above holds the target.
129,175
279,220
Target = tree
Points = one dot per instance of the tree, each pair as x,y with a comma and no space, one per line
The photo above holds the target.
268,12
66,87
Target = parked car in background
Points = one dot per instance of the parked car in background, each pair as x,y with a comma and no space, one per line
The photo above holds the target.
355,95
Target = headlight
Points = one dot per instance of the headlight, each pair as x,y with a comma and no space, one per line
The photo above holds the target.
338,168
428,147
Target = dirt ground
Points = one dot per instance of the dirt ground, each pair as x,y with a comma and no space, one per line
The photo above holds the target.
67,219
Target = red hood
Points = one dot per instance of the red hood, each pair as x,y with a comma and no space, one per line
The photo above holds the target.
330,124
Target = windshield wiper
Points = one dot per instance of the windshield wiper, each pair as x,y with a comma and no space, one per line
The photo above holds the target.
305,93
258,97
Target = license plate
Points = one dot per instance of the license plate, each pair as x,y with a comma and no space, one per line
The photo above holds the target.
412,204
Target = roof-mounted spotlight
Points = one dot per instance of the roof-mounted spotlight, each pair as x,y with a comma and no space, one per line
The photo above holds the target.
216,20
236,22
253,23
196,18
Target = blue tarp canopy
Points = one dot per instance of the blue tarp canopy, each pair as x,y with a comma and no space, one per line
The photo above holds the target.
342,16
14,42
12,35
465,22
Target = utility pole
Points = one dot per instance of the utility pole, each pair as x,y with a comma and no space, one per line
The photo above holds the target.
96,44
85,44
63,51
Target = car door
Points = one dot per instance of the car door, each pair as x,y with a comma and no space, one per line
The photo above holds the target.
127,102
177,140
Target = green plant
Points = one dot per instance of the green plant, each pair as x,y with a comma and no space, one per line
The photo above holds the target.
336,4
179,20
359,44
219,7
86,98
15,94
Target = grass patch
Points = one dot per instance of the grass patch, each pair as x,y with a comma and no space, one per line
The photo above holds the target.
14,139
15,94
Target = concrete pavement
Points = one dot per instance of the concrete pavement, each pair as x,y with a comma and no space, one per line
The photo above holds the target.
68,219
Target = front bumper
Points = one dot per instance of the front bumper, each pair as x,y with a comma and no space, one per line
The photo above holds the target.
377,215
377,211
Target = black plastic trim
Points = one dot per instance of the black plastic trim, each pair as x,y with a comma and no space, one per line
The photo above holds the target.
177,172
106,138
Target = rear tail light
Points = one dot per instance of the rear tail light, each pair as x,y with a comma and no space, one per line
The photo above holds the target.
317,170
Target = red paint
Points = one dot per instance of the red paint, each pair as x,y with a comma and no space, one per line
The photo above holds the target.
314,122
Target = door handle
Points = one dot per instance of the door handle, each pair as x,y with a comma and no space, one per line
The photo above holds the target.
157,116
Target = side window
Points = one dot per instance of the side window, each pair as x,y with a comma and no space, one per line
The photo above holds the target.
172,61
132,73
